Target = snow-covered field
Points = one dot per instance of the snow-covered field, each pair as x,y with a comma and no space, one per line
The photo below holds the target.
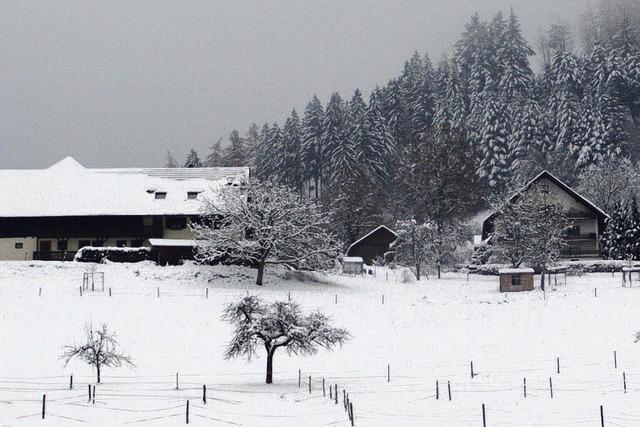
421,334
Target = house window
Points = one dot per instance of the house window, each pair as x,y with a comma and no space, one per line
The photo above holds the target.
61,245
160,195
175,222
121,243
83,243
19,245
192,195
137,243
516,280
97,243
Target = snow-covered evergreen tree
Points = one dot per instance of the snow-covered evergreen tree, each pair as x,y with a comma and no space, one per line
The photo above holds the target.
311,154
193,160
292,172
235,154
214,158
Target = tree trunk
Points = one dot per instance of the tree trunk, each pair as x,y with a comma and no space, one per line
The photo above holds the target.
418,272
438,271
98,372
260,274
270,365
542,281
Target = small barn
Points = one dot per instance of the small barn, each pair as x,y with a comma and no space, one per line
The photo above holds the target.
516,279
372,245
352,265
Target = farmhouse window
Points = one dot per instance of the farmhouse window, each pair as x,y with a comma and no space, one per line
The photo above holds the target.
192,195
61,245
176,222
83,243
161,195
19,245
516,280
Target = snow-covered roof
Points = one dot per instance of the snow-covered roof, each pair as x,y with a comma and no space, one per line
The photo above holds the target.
172,242
69,189
369,234
515,270
352,259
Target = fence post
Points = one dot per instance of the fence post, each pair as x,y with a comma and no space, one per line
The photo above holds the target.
484,417
70,382
44,398
289,295
177,383
109,291
472,374
615,359
388,373
437,391
595,292
525,387
299,377
40,292
335,395
336,298
204,394
601,416
382,299
187,414
93,397
309,384
624,381
80,290
351,410
89,388
158,289
551,387
324,392
206,293
330,392
449,389
558,364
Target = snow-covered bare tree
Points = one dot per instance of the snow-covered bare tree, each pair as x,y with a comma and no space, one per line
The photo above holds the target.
422,244
275,325
100,349
611,182
170,162
262,223
529,228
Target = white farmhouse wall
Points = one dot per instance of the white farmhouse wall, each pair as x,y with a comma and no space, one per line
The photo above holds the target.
9,252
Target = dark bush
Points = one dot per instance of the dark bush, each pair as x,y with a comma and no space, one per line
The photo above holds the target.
113,254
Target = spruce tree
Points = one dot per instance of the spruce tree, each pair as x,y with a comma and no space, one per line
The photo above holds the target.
311,153
292,173
214,158
192,161
235,153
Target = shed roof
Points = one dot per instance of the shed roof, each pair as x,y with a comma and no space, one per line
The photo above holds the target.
380,227
516,271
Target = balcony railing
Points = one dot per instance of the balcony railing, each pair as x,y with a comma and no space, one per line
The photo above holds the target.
54,255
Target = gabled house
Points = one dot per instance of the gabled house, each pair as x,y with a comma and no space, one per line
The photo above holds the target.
583,239
372,245
49,214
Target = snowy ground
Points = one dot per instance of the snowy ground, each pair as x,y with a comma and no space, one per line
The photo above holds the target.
426,332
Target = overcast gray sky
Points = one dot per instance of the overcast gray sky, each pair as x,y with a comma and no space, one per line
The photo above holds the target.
118,83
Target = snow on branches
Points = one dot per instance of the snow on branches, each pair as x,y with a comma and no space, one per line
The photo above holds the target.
260,223
275,325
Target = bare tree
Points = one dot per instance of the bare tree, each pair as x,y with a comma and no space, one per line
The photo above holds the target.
100,349
262,223
529,227
275,325
610,182
427,243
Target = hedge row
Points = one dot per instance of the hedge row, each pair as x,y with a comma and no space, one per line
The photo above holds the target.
113,254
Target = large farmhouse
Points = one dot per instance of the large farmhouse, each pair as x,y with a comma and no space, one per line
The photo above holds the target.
49,214
588,220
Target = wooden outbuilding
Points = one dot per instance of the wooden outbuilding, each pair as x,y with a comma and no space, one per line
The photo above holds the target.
352,265
373,245
516,279
172,251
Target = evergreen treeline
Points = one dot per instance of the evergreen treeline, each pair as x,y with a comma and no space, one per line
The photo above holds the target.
435,140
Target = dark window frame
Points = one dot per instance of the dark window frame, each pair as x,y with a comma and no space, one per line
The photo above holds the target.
516,280
160,195
18,245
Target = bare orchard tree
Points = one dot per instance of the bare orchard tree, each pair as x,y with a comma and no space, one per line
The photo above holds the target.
262,223
613,181
422,244
100,349
275,325
529,228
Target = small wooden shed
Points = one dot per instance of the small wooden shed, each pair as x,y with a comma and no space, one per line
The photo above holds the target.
352,265
372,245
516,279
